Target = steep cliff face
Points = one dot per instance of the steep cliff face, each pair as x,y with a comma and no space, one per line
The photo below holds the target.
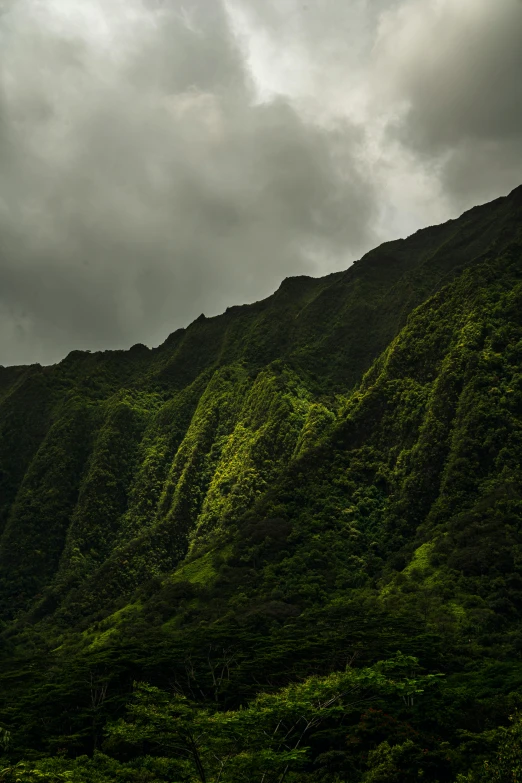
332,471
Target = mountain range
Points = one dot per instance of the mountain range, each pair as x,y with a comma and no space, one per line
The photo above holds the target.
315,495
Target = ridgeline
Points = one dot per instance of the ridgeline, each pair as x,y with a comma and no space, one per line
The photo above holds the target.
285,545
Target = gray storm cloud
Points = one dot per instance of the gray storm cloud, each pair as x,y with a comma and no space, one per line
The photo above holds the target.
162,159
456,67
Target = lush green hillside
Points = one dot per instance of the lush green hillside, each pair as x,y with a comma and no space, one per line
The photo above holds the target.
315,481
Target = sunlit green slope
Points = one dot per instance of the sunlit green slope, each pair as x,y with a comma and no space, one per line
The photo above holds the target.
110,462
329,473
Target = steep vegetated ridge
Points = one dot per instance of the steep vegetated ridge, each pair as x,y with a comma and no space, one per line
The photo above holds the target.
301,485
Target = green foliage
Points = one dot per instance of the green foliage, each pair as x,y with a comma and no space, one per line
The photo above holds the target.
315,480
505,765
267,738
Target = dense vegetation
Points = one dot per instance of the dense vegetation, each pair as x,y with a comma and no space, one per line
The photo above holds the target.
286,545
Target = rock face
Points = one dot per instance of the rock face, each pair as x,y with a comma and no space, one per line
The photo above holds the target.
344,456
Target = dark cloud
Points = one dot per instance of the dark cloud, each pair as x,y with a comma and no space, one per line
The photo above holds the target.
163,158
456,68
462,75
436,84
140,183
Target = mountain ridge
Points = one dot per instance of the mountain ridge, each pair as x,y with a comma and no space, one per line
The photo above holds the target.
330,472
185,354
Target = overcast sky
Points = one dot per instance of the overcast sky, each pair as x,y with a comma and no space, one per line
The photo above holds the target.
163,158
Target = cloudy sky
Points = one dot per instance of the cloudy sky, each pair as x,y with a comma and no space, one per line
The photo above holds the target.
163,158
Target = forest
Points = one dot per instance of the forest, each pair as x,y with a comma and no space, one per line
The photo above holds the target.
285,546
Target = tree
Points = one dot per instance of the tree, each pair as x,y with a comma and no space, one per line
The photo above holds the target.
506,765
267,739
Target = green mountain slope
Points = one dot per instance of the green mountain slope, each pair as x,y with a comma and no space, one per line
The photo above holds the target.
330,474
